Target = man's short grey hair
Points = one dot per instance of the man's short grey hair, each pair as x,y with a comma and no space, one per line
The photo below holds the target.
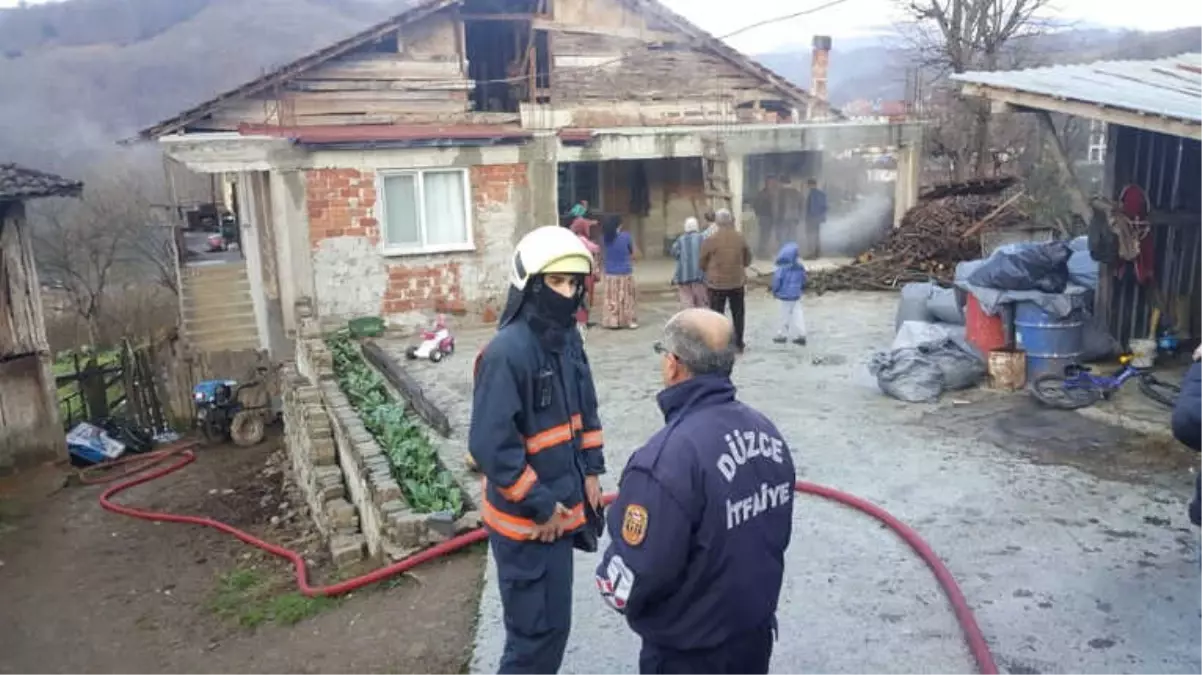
723,217
689,346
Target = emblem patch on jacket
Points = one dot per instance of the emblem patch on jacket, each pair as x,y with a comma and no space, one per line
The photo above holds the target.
634,525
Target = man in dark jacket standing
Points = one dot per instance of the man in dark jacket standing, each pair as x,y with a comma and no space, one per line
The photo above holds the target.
1187,426
703,516
536,437
815,216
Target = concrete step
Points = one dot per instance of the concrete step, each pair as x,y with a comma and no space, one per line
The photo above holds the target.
223,345
223,312
236,326
219,271
209,297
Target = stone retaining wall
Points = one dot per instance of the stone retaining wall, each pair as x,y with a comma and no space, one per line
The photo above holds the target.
312,449
344,472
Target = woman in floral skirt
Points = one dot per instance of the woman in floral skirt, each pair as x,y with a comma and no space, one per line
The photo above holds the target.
618,285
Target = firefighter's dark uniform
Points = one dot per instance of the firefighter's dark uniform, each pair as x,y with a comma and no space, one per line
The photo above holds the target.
535,435
698,534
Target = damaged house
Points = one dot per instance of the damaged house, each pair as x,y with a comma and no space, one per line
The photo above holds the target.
391,173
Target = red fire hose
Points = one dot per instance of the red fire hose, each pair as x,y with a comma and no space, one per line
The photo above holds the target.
137,468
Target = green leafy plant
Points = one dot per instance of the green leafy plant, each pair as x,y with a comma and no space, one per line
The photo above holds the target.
425,483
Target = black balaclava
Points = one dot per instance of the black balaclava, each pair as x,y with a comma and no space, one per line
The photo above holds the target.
547,305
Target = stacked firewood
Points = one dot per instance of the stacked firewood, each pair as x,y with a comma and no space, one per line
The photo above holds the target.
932,239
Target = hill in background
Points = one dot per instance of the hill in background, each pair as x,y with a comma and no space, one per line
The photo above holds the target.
80,74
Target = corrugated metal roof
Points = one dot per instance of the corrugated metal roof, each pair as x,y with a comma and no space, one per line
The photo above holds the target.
1169,87
366,133
18,182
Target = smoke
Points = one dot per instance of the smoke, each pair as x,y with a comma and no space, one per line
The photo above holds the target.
850,233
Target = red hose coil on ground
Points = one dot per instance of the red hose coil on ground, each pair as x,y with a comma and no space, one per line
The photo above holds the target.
141,463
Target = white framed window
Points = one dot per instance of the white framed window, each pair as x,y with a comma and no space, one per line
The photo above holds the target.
425,211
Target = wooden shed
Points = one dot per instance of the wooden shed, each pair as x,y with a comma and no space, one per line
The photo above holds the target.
30,431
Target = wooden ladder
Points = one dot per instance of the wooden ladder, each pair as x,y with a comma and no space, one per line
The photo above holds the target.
713,169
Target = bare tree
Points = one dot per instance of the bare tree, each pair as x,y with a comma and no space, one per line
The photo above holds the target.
104,242
956,36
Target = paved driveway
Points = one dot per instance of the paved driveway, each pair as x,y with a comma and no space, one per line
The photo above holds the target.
1069,539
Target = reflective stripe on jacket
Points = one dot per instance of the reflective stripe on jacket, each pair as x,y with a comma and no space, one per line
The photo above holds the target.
535,433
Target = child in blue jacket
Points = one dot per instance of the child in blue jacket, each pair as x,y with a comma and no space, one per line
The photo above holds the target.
788,281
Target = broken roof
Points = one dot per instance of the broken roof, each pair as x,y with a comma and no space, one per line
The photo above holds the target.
416,10
18,182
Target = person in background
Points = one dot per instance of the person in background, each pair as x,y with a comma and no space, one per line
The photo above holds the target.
703,516
536,436
1187,425
724,260
618,282
688,279
792,212
581,228
788,282
766,206
711,226
579,209
815,216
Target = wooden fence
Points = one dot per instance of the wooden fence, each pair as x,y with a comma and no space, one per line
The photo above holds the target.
150,386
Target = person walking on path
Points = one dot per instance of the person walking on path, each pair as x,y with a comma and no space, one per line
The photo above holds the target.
581,228
724,260
703,516
688,279
619,289
815,216
788,283
536,436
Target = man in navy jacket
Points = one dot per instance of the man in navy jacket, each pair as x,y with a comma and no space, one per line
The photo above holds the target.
703,516
1187,426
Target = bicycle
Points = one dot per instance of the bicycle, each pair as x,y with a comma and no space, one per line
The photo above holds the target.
1077,387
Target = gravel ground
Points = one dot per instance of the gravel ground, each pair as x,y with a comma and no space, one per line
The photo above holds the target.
1069,564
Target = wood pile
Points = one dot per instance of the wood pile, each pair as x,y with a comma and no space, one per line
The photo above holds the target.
932,239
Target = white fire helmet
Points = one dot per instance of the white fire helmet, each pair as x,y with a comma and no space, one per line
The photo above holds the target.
548,250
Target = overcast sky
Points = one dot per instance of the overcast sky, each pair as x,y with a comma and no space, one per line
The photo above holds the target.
861,17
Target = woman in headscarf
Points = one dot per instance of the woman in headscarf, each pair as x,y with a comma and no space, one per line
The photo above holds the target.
688,279
619,275
581,228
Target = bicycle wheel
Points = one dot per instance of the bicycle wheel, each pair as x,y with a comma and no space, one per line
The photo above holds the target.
1055,391
1158,390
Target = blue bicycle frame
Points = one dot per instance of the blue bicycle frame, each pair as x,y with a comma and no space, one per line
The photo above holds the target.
1079,377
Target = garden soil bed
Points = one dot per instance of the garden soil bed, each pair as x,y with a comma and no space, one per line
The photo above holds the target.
89,591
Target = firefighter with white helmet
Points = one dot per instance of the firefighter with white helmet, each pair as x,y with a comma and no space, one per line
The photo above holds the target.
536,436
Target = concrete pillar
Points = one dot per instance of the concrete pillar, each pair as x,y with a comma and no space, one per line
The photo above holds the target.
283,249
905,190
248,199
542,174
735,165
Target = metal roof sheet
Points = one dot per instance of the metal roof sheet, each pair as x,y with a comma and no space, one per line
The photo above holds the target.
366,133
1170,87
18,182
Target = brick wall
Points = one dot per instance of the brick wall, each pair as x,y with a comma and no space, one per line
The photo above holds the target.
353,278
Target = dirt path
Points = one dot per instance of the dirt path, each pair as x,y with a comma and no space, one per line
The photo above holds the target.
84,590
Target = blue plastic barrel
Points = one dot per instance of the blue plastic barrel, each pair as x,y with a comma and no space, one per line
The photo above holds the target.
1050,343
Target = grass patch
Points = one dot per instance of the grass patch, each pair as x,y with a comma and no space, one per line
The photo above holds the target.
251,598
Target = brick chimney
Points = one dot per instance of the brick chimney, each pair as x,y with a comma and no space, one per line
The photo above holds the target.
818,67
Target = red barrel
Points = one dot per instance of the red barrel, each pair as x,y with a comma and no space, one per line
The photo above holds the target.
984,332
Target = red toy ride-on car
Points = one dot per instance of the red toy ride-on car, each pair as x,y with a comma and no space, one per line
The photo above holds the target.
436,343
